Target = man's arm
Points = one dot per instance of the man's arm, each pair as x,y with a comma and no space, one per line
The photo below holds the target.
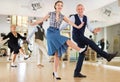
89,25
93,30
32,33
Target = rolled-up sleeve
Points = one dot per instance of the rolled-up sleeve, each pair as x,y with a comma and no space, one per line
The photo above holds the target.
89,26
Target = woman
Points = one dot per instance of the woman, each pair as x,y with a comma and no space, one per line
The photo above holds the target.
13,43
57,44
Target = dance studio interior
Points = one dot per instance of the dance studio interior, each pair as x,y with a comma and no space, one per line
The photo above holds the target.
38,65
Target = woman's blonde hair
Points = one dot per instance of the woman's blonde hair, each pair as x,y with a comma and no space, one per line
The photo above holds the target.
13,26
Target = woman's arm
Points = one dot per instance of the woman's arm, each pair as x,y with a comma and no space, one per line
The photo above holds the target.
5,37
40,21
19,36
72,24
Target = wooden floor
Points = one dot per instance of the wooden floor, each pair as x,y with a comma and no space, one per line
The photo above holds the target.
27,71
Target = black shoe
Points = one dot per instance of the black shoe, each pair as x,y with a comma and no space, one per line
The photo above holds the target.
80,75
25,58
111,56
57,78
10,59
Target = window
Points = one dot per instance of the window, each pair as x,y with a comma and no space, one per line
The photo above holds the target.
20,21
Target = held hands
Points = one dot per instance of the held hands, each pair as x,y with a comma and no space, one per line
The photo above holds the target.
81,25
96,30
30,23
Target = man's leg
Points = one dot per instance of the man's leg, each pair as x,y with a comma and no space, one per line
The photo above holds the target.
42,47
39,58
95,47
102,53
79,65
80,58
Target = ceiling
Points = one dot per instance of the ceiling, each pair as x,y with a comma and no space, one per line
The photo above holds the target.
94,9
106,15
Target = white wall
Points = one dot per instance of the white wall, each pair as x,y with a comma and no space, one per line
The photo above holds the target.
4,26
100,35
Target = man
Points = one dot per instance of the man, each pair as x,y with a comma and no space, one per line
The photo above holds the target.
82,41
25,46
102,43
40,47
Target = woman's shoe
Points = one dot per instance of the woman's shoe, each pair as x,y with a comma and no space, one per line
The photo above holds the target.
58,78
13,65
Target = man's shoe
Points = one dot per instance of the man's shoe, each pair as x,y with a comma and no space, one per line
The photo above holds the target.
111,56
80,75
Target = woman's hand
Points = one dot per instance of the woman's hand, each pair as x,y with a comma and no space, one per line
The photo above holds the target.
81,25
1,39
39,21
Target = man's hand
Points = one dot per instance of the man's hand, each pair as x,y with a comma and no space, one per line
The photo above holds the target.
96,30
30,22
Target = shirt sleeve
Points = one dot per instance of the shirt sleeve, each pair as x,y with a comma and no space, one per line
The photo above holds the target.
89,25
24,38
32,33
7,36
49,13
72,19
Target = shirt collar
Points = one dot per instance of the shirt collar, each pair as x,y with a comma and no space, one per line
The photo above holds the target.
79,16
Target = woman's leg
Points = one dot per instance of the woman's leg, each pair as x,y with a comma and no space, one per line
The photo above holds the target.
13,60
56,64
14,57
10,56
23,53
72,45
